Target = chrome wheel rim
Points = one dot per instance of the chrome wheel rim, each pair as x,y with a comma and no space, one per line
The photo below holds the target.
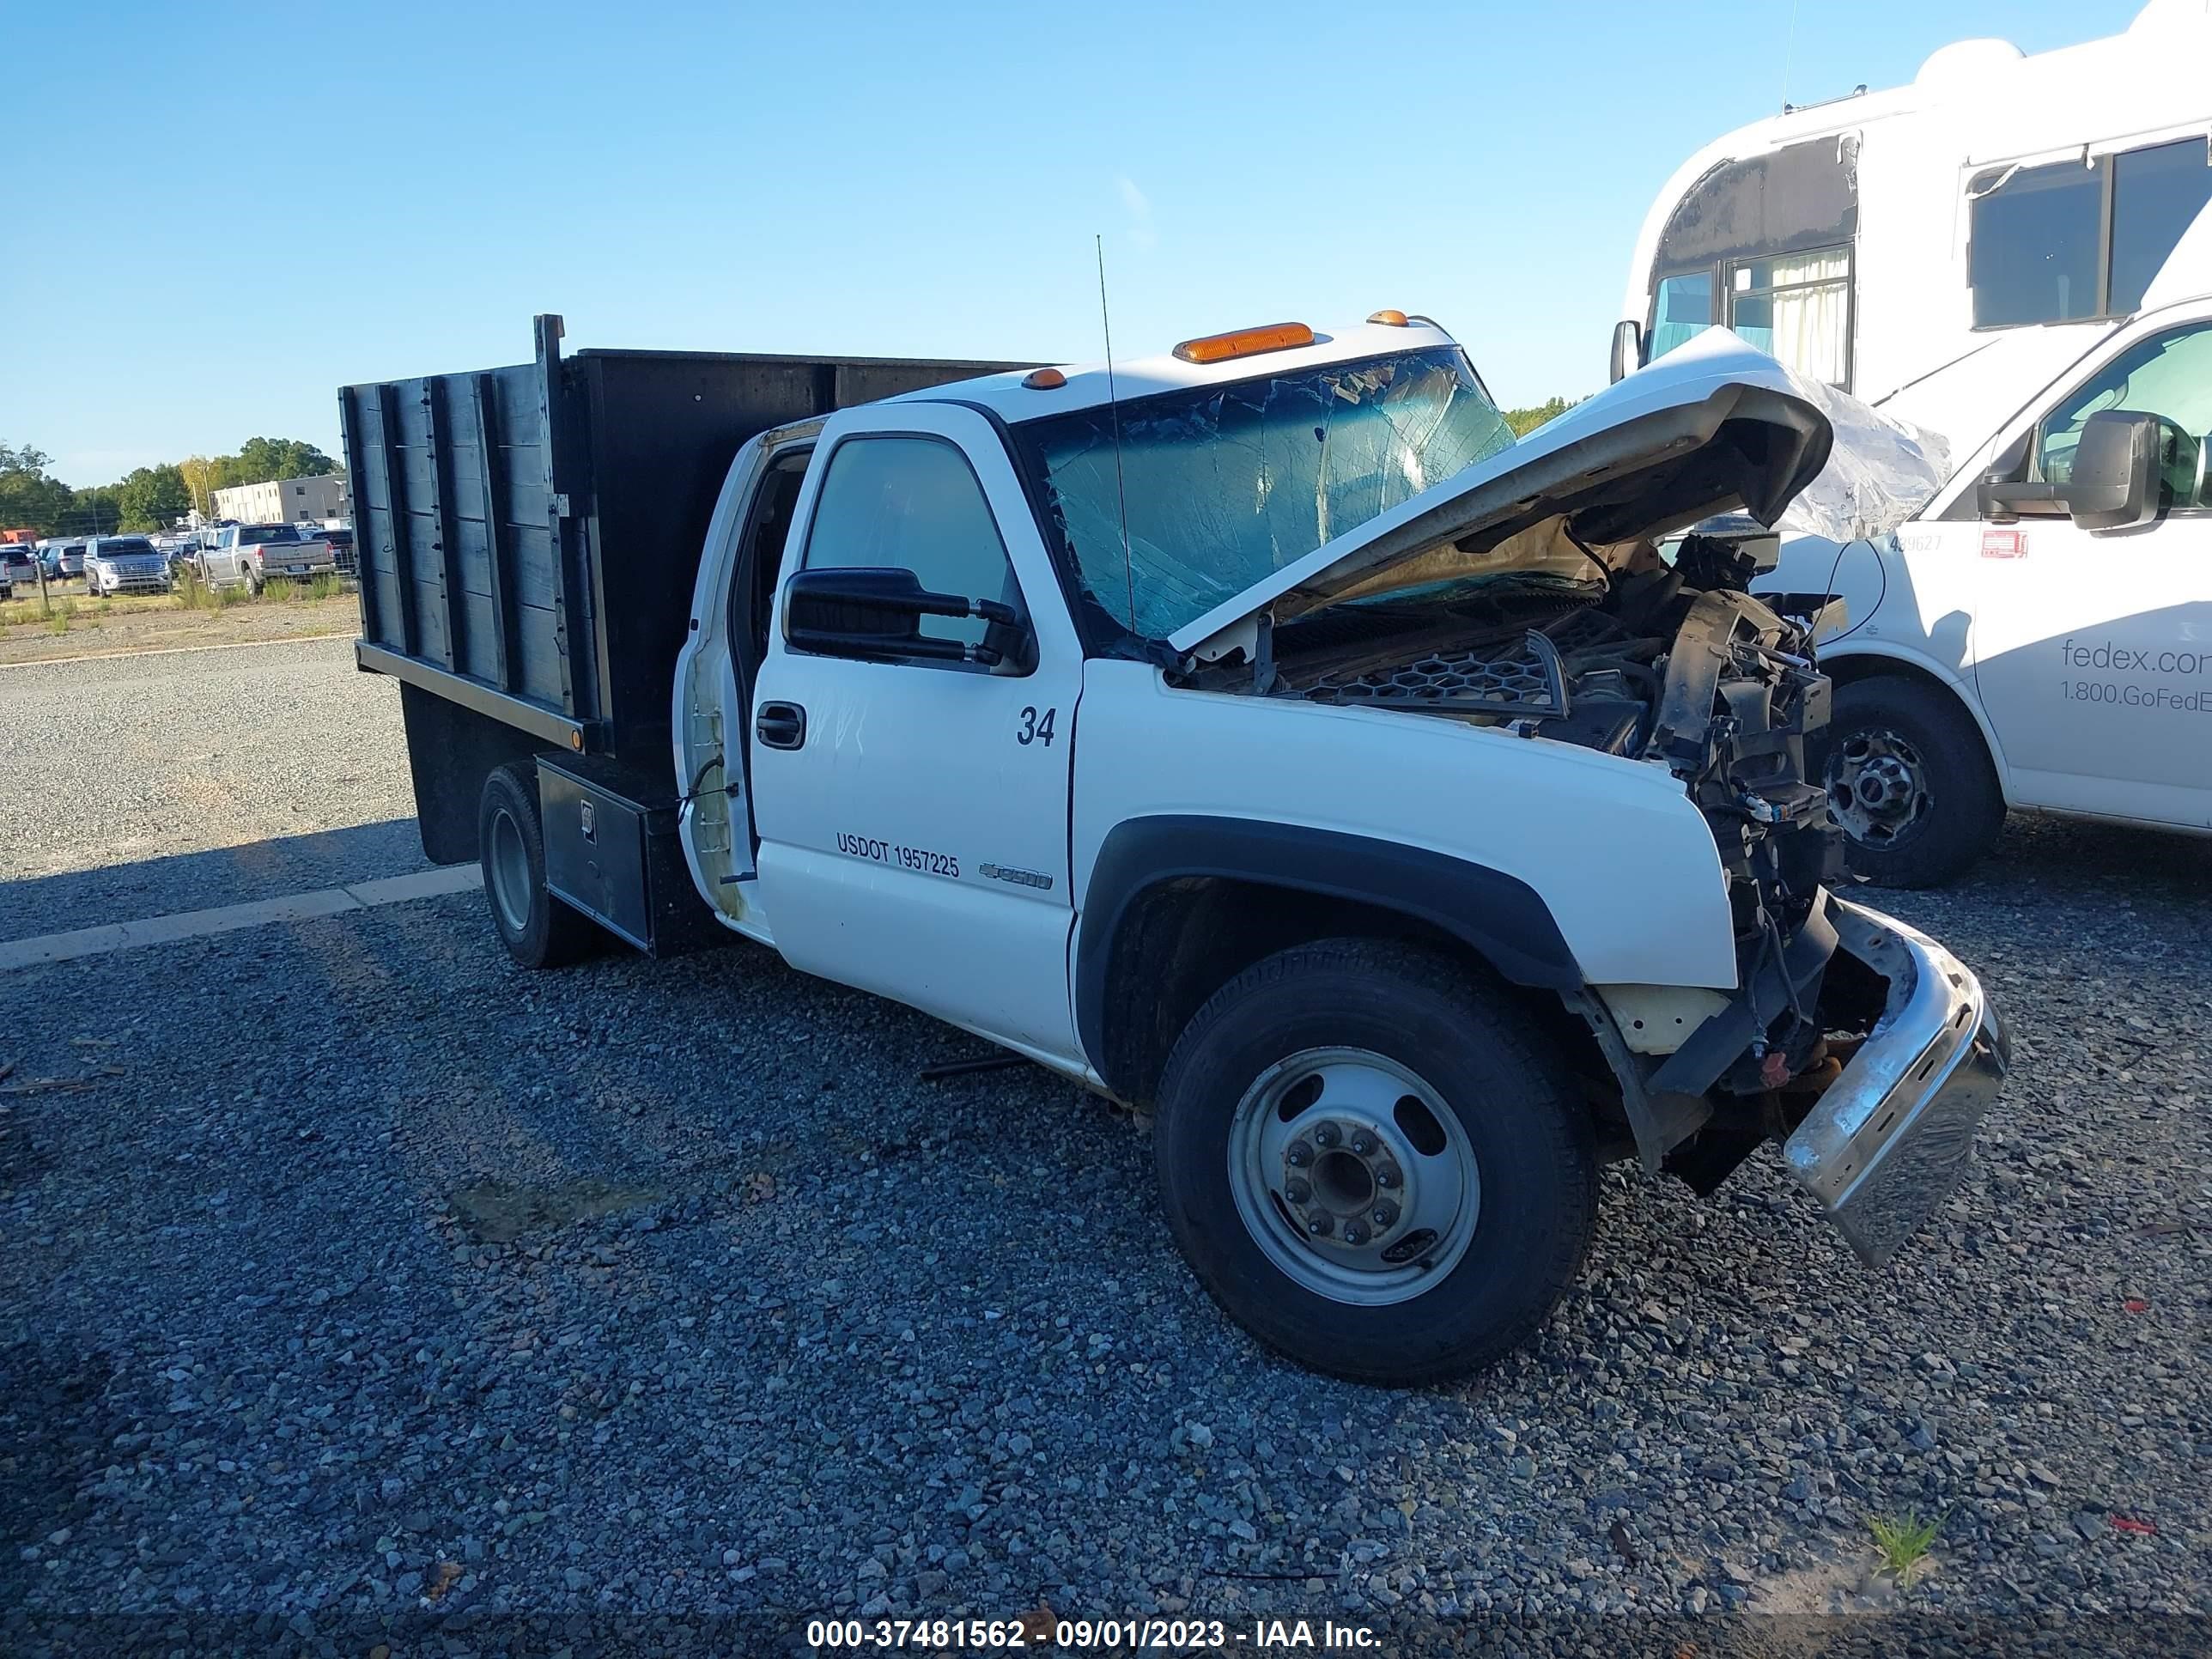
510,872
1353,1177
1878,787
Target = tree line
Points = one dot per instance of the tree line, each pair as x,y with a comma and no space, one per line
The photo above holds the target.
147,498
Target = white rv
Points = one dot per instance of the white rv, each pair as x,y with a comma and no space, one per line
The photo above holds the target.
1873,240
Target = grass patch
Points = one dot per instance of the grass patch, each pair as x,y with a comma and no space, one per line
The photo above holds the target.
193,594
64,612
304,590
1903,1540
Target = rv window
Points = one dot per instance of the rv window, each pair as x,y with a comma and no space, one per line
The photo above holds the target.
1797,309
2157,194
2035,233
1683,308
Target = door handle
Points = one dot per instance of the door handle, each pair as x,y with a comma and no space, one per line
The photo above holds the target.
780,725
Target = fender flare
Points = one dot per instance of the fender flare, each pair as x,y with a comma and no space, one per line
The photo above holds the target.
1500,916
1948,678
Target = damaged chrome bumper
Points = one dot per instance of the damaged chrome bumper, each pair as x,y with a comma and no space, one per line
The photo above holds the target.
1891,1138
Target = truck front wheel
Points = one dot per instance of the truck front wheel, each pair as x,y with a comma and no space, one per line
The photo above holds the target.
537,929
1371,1165
1909,782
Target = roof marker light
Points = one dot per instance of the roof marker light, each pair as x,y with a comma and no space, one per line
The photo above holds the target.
1392,318
1044,380
1245,343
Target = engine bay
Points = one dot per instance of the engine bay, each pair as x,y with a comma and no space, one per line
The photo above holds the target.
1663,661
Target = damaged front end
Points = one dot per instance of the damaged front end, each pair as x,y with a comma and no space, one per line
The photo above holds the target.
1527,592
1867,1050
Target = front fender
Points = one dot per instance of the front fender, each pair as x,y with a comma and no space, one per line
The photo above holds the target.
1623,863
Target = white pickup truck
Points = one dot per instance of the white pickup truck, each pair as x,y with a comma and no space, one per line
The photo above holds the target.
1258,734
258,554
2039,634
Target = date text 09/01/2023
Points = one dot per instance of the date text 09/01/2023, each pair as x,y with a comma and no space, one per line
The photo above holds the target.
1169,1635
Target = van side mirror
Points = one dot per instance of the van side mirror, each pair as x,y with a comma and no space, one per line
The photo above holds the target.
1627,349
2114,485
876,614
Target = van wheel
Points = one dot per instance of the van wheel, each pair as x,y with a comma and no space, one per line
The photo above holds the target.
537,929
1910,782
1371,1166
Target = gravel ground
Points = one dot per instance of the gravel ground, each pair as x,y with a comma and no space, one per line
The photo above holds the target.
668,1287
194,778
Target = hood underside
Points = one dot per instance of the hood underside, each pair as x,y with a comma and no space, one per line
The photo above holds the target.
1712,427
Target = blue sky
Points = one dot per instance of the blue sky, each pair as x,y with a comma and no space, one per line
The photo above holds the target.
225,213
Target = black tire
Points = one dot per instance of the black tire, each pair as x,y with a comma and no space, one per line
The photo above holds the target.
1530,1136
1964,807
537,929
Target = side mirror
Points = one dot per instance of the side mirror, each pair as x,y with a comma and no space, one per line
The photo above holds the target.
2115,481
1627,349
876,614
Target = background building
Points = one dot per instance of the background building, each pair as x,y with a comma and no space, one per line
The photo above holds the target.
285,500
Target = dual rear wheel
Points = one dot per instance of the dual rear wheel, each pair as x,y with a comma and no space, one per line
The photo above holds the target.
536,928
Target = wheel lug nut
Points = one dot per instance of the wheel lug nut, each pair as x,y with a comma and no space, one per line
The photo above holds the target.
1299,1156
1383,1215
1387,1178
1354,1233
1362,1143
1320,1226
1297,1192
1327,1135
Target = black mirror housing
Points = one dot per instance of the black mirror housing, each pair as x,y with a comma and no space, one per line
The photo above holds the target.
868,612
2114,483
1627,349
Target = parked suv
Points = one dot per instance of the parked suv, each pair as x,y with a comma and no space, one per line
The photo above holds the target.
124,564
18,567
61,560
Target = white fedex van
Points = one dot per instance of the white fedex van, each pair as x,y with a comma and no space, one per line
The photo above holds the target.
2039,634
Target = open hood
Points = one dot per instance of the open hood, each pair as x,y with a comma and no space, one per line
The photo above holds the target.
1710,428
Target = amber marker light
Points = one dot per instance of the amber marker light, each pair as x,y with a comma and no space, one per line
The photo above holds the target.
1393,319
1044,380
1245,343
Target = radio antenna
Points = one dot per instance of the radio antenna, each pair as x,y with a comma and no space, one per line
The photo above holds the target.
1113,411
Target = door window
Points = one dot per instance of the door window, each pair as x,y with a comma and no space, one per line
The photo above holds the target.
913,504
1682,310
2170,376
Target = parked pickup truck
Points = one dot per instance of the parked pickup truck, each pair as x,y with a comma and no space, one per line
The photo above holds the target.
1259,734
258,554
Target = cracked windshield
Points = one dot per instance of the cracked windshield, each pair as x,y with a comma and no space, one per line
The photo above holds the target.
1226,485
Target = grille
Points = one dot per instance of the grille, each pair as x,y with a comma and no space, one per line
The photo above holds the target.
1517,676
